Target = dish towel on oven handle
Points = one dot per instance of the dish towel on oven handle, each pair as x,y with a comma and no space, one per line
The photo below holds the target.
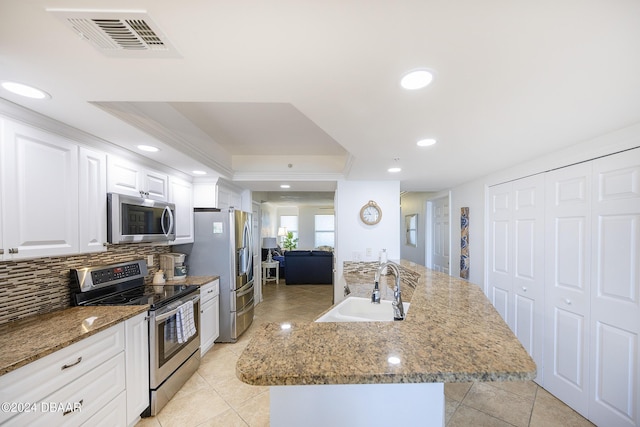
186,326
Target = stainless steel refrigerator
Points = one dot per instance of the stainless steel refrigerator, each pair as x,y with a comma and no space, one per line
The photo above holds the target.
223,247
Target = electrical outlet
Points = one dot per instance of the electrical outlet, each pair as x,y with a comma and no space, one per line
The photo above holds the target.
149,260
369,252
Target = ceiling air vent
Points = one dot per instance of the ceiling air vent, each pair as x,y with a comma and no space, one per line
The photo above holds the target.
124,33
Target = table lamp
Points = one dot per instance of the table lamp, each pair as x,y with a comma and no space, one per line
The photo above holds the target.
269,243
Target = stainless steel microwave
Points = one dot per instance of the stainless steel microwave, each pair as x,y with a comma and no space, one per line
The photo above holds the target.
135,219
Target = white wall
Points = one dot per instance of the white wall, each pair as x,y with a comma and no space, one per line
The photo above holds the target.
472,194
357,241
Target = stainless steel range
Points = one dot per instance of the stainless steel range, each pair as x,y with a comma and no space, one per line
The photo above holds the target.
174,321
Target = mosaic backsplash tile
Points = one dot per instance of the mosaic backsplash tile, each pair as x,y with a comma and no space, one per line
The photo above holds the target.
41,285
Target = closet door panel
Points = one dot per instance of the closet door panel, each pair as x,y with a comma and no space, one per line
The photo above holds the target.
567,282
615,305
500,273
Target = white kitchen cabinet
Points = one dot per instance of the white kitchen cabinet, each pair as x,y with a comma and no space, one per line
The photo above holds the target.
39,194
227,195
87,374
181,194
92,219
129,178
516,260
209,315
113,414
137,366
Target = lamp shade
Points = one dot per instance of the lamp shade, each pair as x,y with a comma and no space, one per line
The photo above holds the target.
269,243
282,231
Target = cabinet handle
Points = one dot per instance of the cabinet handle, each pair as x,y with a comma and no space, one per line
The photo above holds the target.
567,301
210,291
524,288
13,250
72,364
76,407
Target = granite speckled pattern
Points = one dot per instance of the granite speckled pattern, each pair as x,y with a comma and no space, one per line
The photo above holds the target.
27,340
193,280
451,333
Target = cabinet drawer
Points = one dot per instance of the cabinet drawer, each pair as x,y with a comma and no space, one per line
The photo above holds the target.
209,291
37,380
79,400
111,415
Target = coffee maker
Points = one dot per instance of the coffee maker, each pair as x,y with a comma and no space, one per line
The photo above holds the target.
173,266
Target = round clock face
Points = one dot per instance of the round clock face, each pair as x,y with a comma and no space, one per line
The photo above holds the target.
370,213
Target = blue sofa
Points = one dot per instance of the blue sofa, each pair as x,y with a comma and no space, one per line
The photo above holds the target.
308,267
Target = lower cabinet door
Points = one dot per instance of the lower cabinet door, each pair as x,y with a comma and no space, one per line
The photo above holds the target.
208,322
111,415
79,400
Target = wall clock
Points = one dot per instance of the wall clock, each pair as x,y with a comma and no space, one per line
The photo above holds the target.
371,213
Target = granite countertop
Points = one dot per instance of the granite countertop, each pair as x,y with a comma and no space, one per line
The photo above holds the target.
193,280
25,341
451,333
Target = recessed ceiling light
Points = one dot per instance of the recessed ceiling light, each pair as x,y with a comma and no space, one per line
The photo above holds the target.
426,142
198,172
148,148
285,186
416,79
394,170
24,90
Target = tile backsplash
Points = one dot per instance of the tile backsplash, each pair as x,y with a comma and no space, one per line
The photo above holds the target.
41,285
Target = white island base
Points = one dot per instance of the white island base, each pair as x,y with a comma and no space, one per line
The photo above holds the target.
353,405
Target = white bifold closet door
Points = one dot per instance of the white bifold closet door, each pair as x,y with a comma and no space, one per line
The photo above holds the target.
567,284
516,260
615,290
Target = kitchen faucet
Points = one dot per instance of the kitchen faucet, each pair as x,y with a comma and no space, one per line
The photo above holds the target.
398,308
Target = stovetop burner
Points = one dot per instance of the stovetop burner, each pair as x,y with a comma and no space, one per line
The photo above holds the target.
122,284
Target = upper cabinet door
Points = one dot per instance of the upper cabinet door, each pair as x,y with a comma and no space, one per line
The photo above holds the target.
93,201
40,200
155,185
181,194
128,178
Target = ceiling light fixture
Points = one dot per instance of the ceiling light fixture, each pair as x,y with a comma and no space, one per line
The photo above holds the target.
198,172
416,79
285,186
148,148
426,142
25,90
395,169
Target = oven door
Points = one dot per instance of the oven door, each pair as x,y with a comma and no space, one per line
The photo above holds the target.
166,351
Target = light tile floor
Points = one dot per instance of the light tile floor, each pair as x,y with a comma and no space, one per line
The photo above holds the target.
215,397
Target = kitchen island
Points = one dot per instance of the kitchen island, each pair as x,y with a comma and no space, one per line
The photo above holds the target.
451,333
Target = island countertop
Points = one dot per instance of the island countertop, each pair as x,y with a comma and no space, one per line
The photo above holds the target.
451,333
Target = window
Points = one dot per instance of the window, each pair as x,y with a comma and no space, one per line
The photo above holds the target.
290,222
325,230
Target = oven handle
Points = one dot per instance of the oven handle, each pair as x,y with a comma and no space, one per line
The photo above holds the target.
168,314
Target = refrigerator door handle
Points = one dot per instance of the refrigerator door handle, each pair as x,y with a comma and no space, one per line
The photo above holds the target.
247,245
245,290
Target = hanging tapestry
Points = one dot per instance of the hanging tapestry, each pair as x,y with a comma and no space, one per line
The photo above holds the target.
464,243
